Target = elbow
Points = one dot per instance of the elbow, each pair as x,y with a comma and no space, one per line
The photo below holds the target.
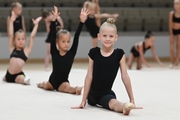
125,77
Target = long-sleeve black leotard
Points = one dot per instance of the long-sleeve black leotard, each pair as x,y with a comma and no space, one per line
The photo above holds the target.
62,64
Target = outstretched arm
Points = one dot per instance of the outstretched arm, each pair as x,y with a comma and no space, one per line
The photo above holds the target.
10,29
107,15
155,56
33,34
83,17
87,84
142,56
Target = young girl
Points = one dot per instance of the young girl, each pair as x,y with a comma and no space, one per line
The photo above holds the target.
97,10
62,58
139,49
19,54
18,23
91,24
103,66
174,30
47,16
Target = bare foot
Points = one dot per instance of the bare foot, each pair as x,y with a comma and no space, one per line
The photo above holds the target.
39,85
127,108
78,90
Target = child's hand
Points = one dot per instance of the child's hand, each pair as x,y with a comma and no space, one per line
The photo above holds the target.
37,20
55,13
83,15
115,15
13,16
81,106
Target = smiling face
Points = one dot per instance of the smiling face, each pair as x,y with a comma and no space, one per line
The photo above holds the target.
19,40
108,36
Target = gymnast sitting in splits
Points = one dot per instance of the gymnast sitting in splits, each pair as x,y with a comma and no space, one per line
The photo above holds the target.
62,58
19,53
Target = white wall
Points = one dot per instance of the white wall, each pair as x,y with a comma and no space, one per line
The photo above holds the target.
125,42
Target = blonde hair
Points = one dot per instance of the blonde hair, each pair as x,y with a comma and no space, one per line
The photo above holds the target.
88,3
16,33
110,22
15,4
60,32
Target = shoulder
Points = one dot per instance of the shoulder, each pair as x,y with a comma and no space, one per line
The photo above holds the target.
119,52
171,13
93,51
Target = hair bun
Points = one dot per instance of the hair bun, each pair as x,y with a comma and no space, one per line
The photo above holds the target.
58,28
111,20
149,32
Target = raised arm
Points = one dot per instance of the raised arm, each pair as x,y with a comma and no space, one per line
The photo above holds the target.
155,56
83,17
87,84
98,11
32,36
59,19
23,24
125,78
53,31
10,21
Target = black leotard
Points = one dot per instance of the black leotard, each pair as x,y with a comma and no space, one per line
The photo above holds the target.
92,27
104,69
48,40
62,64
19,54
136,53
17,24
176,19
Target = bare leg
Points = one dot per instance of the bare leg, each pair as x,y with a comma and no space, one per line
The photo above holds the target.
120,107
95,42
130,60
177,51
139,63
21,79
47,57
172,50
65,87
45,85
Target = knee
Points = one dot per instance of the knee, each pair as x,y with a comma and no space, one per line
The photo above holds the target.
66,87
112,104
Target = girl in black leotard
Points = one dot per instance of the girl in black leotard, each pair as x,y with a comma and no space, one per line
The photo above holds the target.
19,23
91,24
174,30
103,66
47,16
19,53
139,49
62,58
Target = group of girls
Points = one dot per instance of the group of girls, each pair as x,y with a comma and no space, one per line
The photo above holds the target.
104,61
108,58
